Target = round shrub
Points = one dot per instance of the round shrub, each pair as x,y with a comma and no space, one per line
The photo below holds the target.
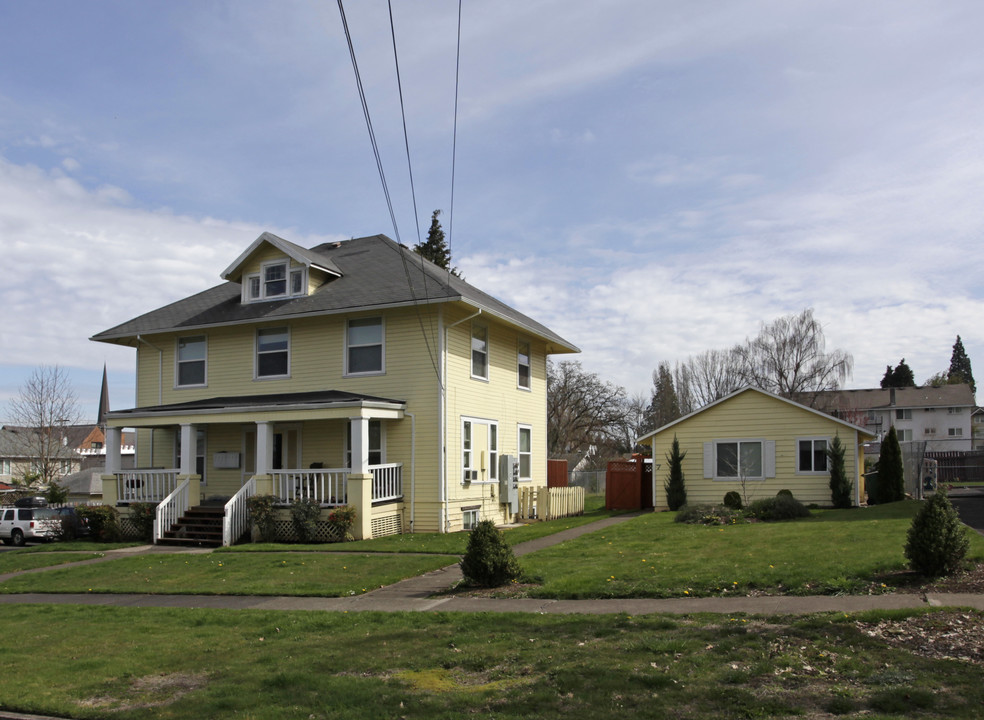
936,542
732,500
342,519
304,516
263,514
780,507
784,493
489,560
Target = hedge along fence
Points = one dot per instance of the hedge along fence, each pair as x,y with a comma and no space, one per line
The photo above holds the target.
542,503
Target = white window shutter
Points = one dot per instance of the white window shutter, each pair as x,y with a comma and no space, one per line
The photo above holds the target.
770,458
708,459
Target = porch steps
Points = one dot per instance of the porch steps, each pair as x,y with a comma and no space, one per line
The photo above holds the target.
200,526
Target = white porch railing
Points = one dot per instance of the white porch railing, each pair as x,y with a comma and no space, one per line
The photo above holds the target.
145,485
236,517
387,482
327,486
170,509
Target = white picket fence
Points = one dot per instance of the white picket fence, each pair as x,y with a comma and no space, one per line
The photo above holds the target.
542,503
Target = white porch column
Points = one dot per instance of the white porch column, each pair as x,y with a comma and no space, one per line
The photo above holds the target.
113,439
360,479
360,444
264,447
189,446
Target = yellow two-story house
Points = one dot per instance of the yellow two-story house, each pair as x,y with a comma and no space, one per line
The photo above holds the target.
352,373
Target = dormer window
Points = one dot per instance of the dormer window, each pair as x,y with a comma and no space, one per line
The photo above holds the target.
276,280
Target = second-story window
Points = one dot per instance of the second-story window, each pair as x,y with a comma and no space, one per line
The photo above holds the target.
364,346
275,280
272,353
480,352
190,369
523,365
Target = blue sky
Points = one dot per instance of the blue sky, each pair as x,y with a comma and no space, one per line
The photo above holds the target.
649,179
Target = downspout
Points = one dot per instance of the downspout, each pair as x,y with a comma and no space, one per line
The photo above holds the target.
413,464
445,523
160,391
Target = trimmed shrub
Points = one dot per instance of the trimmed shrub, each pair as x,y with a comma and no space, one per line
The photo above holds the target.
708,515
489,560
891,471
675,485
937,541
784,493
342,519
304,516
142,515
732,500
104,522
841,487
263,513
780,507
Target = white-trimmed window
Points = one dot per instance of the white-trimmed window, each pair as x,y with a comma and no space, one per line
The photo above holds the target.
297,282
274,281
364,347
953,410
377,449
477,447
904,435
736,459
480,352
903,414
469,517
251,287
525,452
955,432
493,451
811,455
468,472
190,362
5,467
272,353
523,365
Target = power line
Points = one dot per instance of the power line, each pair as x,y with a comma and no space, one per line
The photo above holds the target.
454,134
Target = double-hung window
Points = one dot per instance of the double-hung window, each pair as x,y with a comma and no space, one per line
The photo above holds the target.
811,456
523,365
190,361
272,353
468,473
364,346
903,414
955,432
480,352
525,452
275,280
739,459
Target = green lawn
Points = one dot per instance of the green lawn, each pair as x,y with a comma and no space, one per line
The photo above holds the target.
142,663
320,574
18,560
651,556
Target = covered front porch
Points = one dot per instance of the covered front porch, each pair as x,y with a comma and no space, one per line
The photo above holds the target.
328,447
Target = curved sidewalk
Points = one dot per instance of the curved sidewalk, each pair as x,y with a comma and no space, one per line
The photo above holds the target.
428,593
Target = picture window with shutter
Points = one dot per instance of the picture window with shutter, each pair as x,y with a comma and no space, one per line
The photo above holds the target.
739,459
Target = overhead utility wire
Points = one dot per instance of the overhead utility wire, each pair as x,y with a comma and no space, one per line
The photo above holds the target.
454,134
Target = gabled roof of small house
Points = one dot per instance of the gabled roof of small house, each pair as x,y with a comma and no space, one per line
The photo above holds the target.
958,395
748,389
369,273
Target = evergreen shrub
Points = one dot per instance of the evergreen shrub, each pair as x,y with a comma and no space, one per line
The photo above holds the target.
304,516
488,560
142,515
263,513
103,520
937,541
675,485
732,500
780,507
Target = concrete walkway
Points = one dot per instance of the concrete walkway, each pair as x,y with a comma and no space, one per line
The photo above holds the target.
429,593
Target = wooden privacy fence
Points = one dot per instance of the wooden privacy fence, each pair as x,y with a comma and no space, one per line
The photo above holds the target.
550,503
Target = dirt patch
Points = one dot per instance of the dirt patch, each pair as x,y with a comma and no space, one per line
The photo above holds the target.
907,581
150,691
950,635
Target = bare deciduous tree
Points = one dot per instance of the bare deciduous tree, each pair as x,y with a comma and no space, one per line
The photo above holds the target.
789,358
45,406
582,409
713,374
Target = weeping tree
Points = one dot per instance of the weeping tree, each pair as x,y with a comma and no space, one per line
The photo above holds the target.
675,486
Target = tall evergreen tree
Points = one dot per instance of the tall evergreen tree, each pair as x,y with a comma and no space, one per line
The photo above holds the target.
841,487
435,248
901,376
891,471
665,406
960,371
675,485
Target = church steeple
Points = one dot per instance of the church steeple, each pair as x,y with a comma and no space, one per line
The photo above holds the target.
103,400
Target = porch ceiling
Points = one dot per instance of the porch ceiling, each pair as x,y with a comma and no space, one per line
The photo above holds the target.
283,407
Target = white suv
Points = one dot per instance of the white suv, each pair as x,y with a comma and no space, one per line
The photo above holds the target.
18,525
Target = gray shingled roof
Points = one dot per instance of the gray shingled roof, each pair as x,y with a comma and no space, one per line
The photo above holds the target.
375,273
912,397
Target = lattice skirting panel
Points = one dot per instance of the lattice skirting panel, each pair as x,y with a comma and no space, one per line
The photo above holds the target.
387,525
129,529
325,532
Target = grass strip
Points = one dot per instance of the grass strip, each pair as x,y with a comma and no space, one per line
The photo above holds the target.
300,574
141,663
17,560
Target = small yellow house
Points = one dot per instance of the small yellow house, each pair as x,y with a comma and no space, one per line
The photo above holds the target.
354,373
757,443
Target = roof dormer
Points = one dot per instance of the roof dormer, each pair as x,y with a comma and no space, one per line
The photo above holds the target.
272,268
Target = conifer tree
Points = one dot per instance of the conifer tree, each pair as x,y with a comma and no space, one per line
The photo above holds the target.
665,406
937,542
891,472
960,371
901,376
675,486
435,248
841,487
